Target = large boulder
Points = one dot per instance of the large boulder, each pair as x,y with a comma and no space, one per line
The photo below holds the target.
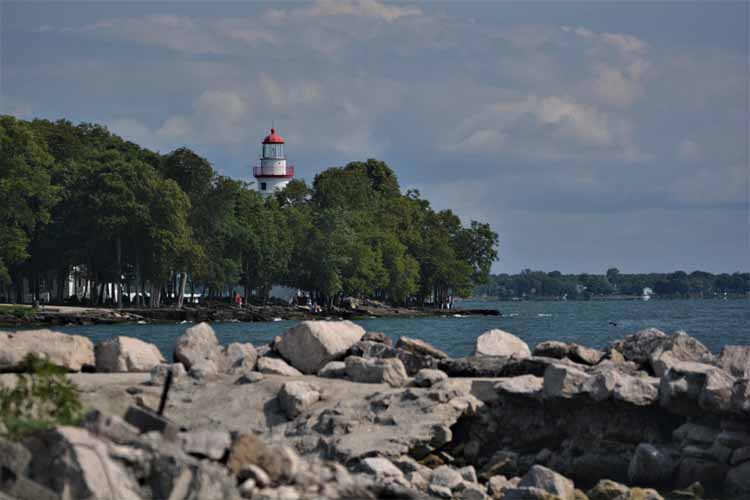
126,354
427,377
564,382
241,357
413,362
420,347
678,347
651,465
575,352
690,388
376,371
71,352
607,382
500,343
639,346
528,386
72,459
736,360
737,481
309,345
199,343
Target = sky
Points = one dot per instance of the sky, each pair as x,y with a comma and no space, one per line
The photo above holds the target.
588,135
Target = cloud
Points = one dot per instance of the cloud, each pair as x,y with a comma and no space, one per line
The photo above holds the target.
370,9
688,150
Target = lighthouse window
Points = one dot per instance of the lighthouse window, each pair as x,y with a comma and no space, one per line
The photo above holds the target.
262,186
273,150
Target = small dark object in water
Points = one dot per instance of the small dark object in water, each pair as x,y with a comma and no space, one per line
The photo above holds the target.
613,323
165,393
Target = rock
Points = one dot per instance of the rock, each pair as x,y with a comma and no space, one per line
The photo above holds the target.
469,473
738,481
497,485
380,467
690,388
255,474
650,465
159,373
709,473
528,386
639,346
439,491
249,378
500,343
607,489
584,355
376,371
379,337
446,477
551,349
72,352
735,359
199,343
692,433
73,460
678,347
333,369
563,382
204,369
126,354
110,427
548,480
472,491
741,455
309,345
208,444
248,449
412,361
276,366
420,347
296,397
427,377
733,438
241,357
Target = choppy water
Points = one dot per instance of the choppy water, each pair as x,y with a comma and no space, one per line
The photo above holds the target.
713,322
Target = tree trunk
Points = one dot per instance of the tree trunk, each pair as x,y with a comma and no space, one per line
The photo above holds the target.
119,271
181,292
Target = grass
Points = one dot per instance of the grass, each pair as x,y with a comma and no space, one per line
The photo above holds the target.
42,398
17,311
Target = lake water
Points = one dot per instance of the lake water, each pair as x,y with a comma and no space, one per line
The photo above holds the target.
713,322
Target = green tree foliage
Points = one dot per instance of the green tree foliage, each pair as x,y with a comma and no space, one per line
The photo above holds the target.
80,201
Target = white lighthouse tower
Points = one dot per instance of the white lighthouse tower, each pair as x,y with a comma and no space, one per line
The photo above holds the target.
273,174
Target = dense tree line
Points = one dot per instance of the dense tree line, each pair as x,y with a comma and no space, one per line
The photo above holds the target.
123,221
538,284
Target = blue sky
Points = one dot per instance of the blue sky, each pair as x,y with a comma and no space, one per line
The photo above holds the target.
587,134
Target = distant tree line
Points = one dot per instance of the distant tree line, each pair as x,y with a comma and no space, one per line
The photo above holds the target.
539,284
122,221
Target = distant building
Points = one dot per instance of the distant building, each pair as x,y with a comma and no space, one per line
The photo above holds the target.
273,174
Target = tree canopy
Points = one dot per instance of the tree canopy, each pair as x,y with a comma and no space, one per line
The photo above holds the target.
76,200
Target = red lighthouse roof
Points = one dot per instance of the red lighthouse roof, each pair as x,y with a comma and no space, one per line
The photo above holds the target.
273,138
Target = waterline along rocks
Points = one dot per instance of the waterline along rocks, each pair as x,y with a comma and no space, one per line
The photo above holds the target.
652,416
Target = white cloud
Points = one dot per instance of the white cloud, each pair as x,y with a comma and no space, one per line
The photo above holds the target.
688,150
360,8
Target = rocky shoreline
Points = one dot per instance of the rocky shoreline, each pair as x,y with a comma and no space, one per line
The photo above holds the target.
328,410
56,316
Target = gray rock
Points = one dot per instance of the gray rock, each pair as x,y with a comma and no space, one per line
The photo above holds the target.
446,477
276,366
439,491
72,352
420,347
241,357
204,369
413,362
159,373
692,433
733,438
497,485
472,491
427,377
528,386
709,473
333,369
206,443
737,481
564,382
650,465
199,343
110,427
379,337
548,480
75,460
380,467
639,346
690,388
678,347
297,397
249,378
584,355
469,473
527,493
735,359
741,455
126,354
500,343
376,371
309,345
551,349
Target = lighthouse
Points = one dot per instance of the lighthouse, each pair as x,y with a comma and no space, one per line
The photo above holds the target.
273,173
